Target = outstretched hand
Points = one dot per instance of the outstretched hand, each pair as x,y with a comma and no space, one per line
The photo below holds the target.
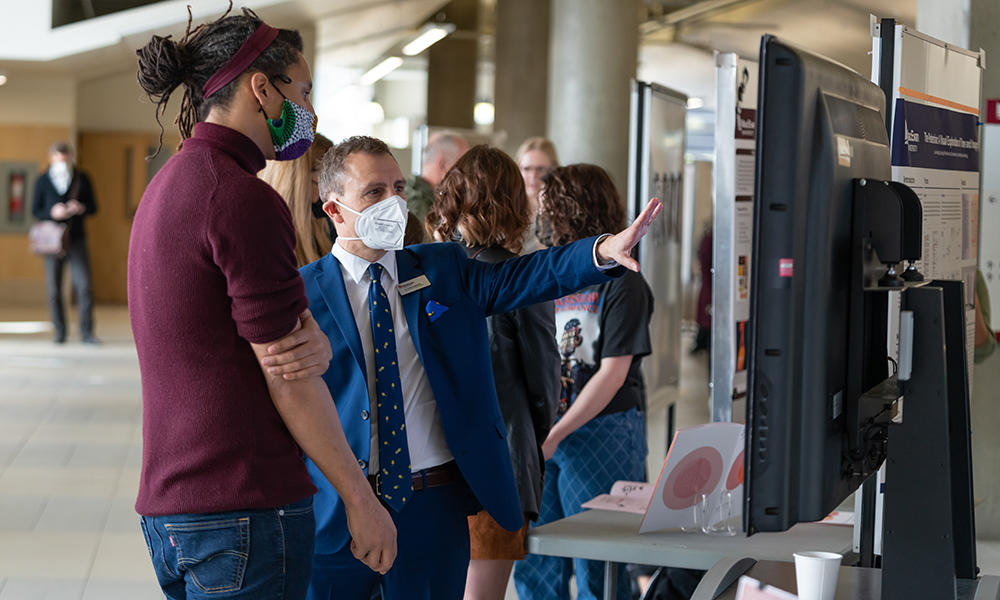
618,248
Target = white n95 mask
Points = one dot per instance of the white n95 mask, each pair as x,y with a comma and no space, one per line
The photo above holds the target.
380,226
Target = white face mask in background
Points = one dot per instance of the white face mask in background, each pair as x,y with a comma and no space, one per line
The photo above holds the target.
382,225
61,174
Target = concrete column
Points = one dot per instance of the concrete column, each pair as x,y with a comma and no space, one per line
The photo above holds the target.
984,32
451,68
975,24
522,69
593,52
947,20
971,24
309,43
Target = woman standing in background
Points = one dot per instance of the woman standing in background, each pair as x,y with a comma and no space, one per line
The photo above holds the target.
603,333
536,157
297,181
482,204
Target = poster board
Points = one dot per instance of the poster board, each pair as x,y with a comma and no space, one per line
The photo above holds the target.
934,115
933,101
656,170
732,238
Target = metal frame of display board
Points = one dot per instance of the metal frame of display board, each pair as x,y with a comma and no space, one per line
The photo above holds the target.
736,89
657,134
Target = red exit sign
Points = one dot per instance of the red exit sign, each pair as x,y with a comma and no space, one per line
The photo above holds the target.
993,111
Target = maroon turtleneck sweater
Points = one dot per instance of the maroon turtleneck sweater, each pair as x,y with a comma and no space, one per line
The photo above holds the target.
211,269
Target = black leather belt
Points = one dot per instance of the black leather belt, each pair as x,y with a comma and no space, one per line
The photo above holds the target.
424,478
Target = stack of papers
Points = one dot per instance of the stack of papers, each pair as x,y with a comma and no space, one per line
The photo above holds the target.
625,496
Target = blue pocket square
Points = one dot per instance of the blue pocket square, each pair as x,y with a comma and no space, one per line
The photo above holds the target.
435,310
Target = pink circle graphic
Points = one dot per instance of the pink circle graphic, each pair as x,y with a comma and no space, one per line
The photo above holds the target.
735,473
697,473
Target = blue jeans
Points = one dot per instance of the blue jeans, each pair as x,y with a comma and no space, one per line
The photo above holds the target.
263,553
587,463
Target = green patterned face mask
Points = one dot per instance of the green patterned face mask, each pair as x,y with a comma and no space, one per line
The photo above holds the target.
293,132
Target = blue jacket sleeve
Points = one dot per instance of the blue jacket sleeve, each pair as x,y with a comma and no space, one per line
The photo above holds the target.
537,277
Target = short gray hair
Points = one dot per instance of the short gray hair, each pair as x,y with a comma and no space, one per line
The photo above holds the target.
449,144
331,167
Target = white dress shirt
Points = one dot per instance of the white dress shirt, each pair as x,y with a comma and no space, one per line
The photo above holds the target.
424,432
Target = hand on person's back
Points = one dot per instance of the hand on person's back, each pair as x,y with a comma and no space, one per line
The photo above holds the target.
301,354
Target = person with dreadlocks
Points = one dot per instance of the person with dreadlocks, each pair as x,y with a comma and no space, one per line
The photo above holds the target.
229,354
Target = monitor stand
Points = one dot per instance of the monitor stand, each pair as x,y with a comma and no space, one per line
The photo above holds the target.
928,544
929,525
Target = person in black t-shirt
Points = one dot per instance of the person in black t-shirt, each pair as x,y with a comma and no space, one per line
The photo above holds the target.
603,333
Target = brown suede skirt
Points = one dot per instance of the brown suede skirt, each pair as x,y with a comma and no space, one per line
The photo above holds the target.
490,541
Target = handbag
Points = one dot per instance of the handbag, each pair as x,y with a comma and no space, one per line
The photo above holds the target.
51,238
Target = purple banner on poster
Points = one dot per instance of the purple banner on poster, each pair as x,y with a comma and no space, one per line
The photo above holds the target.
930,137
746,124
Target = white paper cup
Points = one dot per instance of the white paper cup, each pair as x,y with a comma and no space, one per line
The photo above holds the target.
816,574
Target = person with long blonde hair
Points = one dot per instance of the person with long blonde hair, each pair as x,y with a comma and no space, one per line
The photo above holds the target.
535,158
297,181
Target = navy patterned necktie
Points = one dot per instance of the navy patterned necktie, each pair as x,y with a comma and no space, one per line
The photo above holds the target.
394,455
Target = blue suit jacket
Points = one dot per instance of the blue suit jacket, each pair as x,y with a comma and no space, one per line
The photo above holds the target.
454,351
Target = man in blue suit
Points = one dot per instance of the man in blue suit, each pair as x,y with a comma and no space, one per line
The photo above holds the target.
411,373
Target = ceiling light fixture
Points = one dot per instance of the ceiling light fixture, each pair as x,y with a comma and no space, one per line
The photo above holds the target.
381,70
695,103
371,113
483,113
430,36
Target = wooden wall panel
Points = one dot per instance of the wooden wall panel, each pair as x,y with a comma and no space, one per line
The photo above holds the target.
117,166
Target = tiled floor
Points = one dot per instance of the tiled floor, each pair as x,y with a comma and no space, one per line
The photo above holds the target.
70,448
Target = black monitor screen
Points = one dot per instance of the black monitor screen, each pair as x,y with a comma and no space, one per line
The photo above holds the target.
815,342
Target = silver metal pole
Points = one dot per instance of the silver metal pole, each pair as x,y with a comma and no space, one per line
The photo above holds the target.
610,580
723,234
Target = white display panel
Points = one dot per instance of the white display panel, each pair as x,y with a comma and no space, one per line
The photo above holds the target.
733,185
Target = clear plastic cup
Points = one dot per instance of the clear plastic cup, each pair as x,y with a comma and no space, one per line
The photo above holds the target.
721,519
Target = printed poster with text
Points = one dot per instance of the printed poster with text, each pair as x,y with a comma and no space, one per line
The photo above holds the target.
746,164
935,151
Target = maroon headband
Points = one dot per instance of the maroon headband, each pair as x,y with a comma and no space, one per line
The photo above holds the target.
251,49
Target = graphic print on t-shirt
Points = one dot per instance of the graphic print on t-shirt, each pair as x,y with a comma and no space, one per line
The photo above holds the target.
578,327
